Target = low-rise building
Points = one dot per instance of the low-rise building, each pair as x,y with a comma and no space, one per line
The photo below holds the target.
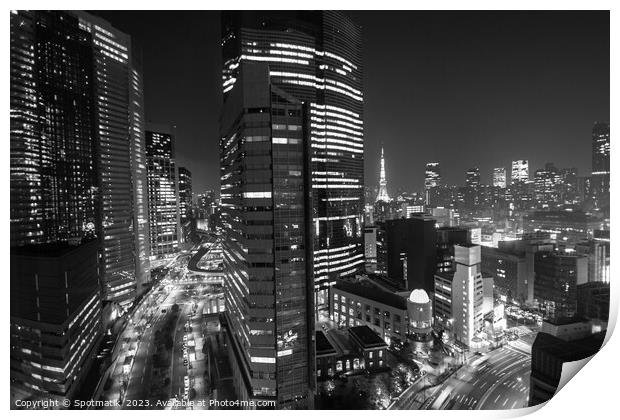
356,350
361,303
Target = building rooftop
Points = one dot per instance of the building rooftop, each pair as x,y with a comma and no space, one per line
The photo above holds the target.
323,346
366,337
419,296
566,320
50,250
567,351
565,216
384,282
374,293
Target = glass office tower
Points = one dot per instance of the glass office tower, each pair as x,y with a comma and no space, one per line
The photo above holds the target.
185,193
600,164
315,57
499,177
55,300
266,214
163,193
121,160
520,171
52,137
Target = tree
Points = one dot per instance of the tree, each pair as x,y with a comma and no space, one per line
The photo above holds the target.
379,395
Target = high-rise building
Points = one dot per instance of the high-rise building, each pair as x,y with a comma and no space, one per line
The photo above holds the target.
139,172
432,176
54,280
600,163
598,260
370,248
520,171
432,189
53,138
56,321
600,149
509,271
447,237
593,301
569,186
472,177
185,201
185,193
412,251
547,183
383,192
163,190
557,276
499,177
267,230
460,295
121,160
315,56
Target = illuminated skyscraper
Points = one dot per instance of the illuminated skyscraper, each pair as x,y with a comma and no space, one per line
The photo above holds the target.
316,57
53,137
499,177
600,149
163,191
121,160
547,186
432,177
432,180
383,193
600,163
55,300
472,177
520,171
267,231
185,199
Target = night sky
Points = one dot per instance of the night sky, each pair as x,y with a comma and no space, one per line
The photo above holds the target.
462,88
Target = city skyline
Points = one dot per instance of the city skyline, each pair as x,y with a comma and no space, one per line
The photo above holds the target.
301,280
536,93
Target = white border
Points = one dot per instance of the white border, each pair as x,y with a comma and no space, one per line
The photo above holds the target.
591,394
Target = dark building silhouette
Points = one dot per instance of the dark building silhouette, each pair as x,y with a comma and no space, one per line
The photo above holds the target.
315,56
593,300
472,177
549,354
447,237
266,218
412,251
55,317
557,276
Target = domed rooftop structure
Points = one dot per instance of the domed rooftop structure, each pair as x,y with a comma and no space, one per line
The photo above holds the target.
419,296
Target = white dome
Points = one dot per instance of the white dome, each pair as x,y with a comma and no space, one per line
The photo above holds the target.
419,296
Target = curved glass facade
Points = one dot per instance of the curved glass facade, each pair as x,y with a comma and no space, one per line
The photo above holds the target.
315,57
